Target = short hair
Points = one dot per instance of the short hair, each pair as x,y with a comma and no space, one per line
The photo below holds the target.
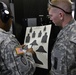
65,5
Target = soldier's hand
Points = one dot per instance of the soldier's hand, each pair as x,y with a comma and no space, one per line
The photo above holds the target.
33,53
31,50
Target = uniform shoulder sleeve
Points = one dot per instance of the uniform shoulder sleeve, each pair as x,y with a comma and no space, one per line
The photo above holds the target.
25,63
73,38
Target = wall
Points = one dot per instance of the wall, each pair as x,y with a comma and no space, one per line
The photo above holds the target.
25,9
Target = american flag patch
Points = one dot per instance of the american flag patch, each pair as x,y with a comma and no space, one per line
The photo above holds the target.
19,51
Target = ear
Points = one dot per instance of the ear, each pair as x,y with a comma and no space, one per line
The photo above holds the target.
61,15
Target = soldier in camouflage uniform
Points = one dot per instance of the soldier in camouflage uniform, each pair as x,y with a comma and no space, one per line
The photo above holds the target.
12,63
63,55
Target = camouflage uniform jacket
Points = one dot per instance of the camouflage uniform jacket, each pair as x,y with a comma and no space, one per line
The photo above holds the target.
10,62
63,55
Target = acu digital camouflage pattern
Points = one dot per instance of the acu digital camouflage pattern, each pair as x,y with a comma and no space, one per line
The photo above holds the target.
10,63
63,56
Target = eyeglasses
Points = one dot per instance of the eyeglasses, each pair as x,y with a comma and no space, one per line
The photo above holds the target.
58,8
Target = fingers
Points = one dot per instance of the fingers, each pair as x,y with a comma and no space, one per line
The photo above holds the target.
30,50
